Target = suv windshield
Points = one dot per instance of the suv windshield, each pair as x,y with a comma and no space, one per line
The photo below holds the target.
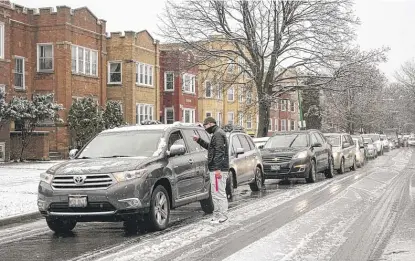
123,144
286,141
334,140
368,140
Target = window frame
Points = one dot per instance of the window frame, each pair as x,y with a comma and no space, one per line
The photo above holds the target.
219,118
249,119
208,112
270,125
109,72
284,105
233,117
22,73
2,40
233,94
147,111
91,60
210,88
276,120
38,48
219,89
241,94
285,124
292,125
144,73
240,118
165,80
165,114
192,115
292,107
249,94
192,83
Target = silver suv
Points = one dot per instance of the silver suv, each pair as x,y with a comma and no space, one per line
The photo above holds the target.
245,162
135,174
344,152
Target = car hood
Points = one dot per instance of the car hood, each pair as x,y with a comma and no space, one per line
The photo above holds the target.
282,151
96,166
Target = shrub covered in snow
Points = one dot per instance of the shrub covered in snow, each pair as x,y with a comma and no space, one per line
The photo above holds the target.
113,116
85,121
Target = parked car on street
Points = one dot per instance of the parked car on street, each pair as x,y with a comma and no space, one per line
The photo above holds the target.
134,174
297,154
376,142
411,141
245,162
360,152
385,142
344,152
371,149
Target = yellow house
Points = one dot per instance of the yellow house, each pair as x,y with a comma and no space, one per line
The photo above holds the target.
133,75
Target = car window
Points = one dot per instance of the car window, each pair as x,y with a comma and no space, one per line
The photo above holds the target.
176,138
235,144
244,142
203,135
351,141
344,139
250,142
313,139
319,139
192,145
322,138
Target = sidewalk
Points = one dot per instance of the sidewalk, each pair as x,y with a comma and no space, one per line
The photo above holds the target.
18,188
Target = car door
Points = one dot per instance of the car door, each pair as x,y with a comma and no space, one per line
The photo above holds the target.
318,152
247,157
253,157
237,161
182,166
325,151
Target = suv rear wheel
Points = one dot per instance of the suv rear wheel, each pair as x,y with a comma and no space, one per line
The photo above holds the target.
159,215
259,180
230,185
342,168
329,173
60,225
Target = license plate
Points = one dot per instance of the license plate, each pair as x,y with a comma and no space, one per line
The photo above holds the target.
77,201
275,167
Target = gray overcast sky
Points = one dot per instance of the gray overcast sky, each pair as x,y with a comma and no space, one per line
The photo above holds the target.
384,22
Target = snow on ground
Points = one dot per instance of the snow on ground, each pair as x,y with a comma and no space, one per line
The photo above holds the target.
18,187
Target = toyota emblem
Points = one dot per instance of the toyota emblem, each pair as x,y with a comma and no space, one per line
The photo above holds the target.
79,180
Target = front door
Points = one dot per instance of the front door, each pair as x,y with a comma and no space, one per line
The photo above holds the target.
248,158
319,152
238,161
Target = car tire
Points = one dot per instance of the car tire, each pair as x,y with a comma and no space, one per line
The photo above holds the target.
259,180
159,215
329,173
353,167
342,168
313,173
60,225
207,204
230,184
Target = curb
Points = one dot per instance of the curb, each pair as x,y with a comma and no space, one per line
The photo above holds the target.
19,219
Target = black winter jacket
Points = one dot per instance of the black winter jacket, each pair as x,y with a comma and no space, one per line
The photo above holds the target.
218,152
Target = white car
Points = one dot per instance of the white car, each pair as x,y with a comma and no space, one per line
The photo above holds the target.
376,142
411,141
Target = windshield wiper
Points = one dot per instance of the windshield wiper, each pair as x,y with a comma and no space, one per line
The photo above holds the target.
115,156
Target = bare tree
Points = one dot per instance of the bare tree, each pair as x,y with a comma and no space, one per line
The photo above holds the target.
264,39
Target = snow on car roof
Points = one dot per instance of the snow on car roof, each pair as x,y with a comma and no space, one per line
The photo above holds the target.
138,128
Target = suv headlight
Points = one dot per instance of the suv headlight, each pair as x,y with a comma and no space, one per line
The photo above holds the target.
129,175
46,177
301,155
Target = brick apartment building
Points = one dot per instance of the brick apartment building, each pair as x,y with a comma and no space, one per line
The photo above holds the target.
134,74
178,86
60,51
284,114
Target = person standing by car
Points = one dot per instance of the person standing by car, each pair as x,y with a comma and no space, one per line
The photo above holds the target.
218,164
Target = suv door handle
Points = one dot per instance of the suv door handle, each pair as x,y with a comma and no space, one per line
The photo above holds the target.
190,161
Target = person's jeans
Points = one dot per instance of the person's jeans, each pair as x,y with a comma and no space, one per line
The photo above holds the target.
218,188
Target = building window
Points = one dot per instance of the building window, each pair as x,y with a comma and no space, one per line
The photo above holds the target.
144,74
144,112
283,125
189,83
44,57
219,119
270,125
249,122
283,105
231,94
231,117
84,60
169,115
19,69
189,115
240,118
2,40
231,66
248,97
276,125
208,114
168,80
114,72
208,89
292,107
220,91
241,94
292,125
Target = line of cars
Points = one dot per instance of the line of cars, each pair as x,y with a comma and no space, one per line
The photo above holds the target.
138,174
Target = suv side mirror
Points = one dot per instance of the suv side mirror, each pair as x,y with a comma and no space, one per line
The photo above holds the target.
72,153
317,145
260,147
177,150
240,151
346,145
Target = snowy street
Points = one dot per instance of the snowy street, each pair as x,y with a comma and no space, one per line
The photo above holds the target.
362,215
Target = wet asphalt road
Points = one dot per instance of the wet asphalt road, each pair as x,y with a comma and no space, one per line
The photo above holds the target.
373,211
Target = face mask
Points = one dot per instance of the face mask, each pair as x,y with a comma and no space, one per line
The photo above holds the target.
210,129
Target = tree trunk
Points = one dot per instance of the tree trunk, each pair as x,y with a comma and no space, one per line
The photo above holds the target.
263,120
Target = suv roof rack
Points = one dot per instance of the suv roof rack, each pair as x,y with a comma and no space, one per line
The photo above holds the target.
178,123
233,128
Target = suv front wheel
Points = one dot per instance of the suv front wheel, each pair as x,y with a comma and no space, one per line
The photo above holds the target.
60,225
159,215
230,185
